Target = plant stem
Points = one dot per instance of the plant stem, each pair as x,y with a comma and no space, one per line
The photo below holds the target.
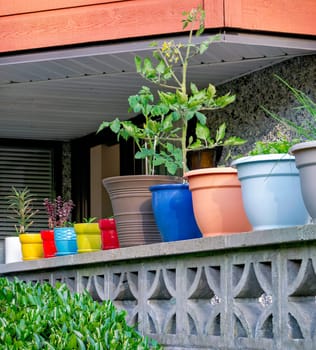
184,91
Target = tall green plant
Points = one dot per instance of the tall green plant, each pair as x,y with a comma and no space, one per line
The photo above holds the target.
21,205
307,130
162,139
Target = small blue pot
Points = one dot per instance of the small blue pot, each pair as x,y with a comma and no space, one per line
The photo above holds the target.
65,241
173,212
271,191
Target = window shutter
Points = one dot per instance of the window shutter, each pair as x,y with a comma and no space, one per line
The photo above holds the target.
25,167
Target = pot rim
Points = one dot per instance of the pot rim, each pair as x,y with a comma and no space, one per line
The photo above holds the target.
139,177
83,224
302,145
169,187
30,237
262,158
204,171
106,219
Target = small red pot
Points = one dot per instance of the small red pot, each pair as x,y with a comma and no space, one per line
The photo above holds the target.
48,243
109,238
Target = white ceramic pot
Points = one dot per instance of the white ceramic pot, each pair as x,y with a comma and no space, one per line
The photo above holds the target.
12,250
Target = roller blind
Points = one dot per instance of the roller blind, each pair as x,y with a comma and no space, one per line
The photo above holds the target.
25,167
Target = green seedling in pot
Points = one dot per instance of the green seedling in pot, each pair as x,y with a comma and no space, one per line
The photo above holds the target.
89,220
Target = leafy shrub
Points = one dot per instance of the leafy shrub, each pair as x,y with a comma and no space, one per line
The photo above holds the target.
279,146
40,316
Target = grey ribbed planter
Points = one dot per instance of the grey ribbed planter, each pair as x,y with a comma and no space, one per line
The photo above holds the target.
305,159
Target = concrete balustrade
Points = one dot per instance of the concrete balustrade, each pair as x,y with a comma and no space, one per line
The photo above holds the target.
244,291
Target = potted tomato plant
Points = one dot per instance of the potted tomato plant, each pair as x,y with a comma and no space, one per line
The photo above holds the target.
162,139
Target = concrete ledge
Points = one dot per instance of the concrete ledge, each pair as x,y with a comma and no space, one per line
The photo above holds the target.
286,236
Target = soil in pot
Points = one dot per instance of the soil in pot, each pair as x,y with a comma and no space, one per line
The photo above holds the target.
206,158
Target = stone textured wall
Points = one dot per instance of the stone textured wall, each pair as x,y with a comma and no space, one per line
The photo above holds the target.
246,119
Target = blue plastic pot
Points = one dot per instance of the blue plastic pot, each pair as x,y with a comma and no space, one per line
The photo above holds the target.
173,212
65,241
271,191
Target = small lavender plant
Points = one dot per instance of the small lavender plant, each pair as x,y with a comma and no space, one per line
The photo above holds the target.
58,212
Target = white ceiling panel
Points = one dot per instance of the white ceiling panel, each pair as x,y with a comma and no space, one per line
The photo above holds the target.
66,94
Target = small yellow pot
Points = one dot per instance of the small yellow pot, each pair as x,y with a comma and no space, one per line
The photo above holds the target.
32,246
88,237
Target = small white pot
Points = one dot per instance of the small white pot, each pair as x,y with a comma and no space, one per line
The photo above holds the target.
12,250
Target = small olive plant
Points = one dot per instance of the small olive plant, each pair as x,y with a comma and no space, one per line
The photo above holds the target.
307,130
162,139
58,211
21,204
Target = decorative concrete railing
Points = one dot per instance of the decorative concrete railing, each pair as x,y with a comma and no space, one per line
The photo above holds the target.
244,291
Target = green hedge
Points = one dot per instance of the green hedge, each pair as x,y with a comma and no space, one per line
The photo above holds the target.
40,316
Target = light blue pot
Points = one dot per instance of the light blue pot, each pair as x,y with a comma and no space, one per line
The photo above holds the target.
65,241
271,191
173,212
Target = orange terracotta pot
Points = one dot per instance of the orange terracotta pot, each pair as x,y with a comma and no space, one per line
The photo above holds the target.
217,201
